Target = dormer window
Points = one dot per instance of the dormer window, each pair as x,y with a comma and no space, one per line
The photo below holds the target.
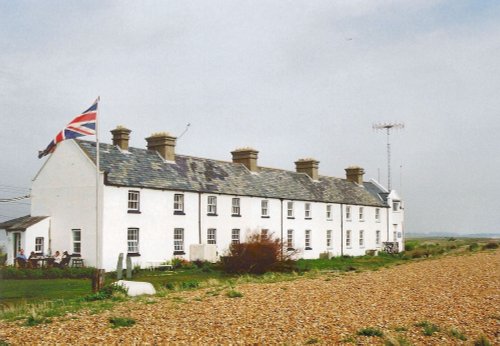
396,206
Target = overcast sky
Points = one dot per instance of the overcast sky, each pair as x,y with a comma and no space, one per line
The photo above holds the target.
292,79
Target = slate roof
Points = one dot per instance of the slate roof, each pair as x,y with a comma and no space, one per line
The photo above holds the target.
21,223
146,169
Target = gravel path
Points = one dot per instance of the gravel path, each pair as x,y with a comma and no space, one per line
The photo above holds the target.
461,292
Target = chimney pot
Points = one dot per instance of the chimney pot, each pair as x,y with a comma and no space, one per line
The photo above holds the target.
246,156
121,136
355,174
164,144
308,166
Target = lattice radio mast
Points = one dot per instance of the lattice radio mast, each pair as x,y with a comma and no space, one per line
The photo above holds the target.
388,127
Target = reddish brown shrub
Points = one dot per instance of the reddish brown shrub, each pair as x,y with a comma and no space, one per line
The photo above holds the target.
256,255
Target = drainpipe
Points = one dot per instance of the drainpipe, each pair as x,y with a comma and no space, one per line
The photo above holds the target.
281,202
199,217
387,222
341,230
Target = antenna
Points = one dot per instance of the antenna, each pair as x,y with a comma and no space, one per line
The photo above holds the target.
388,127
185,130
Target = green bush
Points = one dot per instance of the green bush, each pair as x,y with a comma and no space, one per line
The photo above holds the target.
482,341
45,273
106,292
428,328
370,332
473,247
491,245
117,322
234,294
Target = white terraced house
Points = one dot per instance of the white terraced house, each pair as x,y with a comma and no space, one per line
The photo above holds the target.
155,205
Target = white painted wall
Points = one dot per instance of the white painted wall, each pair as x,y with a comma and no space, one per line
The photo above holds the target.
64,189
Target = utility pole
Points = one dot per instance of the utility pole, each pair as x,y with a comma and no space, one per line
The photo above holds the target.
388,127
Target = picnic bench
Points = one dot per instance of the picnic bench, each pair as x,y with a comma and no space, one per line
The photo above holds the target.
153,265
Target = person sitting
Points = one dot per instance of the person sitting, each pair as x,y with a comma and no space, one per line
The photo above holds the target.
33,260
57,259
21,259
66,258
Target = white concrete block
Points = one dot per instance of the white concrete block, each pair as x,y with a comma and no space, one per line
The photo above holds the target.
137,288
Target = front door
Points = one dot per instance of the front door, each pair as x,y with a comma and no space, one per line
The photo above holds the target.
17,243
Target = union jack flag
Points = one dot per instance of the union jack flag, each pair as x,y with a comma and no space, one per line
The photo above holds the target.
82,125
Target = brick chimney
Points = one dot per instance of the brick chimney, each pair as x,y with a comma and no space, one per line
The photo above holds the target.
355,174
246,156
121,135
164,144
309,167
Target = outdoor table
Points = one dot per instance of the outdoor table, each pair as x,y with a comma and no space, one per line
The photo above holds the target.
77,262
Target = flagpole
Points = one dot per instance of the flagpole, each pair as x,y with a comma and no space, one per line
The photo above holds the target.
97,245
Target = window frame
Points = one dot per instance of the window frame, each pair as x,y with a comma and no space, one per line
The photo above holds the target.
377,214
307,211
329,242
179,204
289,210
329,212
361,238
212,205
235,232
289,240
348,239
212,236
264,234
133,244
361,214
179,241
134,204
75,241
264,208
39,246
308,239
348,214
377,237
396,206
235,206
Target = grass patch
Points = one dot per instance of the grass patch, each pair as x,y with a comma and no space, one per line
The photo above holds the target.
35,320
482,341
370,331
234,294
428,328
118,322
13,292
311,341
457,334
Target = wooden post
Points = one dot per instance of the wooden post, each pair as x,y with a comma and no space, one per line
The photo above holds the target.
97,280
